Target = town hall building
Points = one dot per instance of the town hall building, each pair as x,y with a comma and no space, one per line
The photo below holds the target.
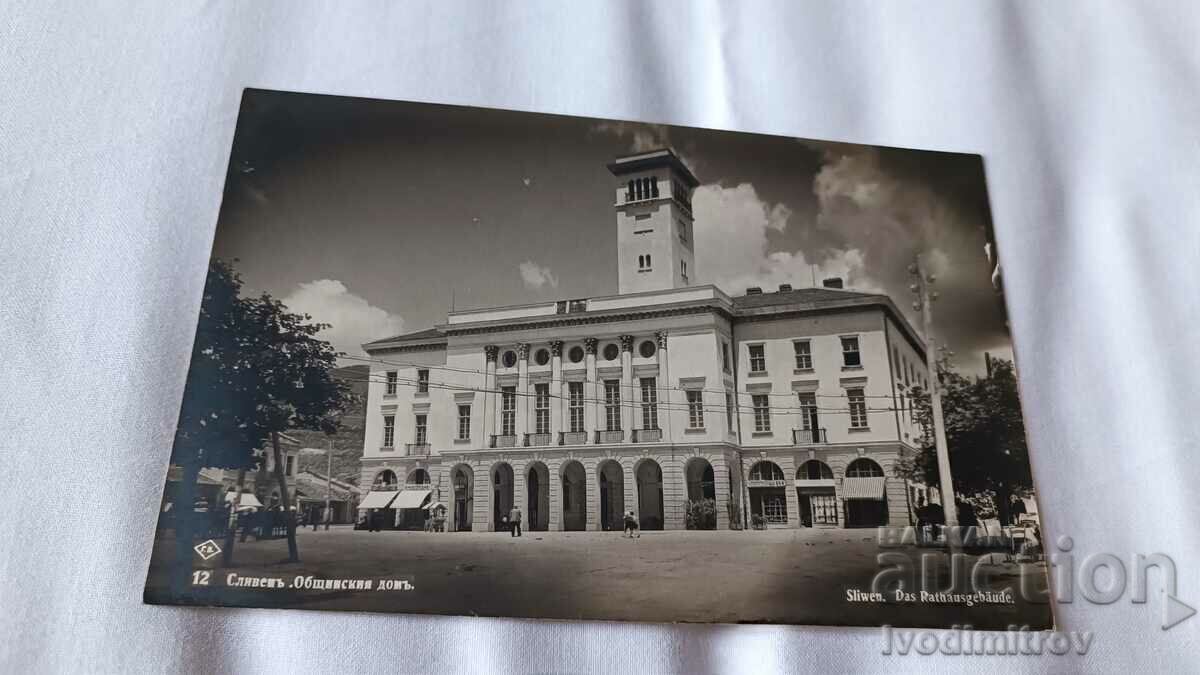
785,407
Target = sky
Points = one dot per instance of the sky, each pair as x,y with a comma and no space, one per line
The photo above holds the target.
378,216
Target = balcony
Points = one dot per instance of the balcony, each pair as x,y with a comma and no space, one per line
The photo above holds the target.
572,437
385,487
809,437
647,435
503,441
614,436
411,449
536,440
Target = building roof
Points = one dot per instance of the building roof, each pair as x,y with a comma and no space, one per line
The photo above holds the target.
430,335
650,160
816,297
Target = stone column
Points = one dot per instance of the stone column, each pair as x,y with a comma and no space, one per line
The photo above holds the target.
665,389
557,405
523,403
721,475
627,386
489,397
554,468
592,390
591,479
632,500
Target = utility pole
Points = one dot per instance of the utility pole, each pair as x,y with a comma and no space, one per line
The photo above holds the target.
923,303
328,479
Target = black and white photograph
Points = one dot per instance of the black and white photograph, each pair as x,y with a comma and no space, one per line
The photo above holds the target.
479,362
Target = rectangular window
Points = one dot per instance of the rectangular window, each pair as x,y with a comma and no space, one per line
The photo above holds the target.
541,408
389,431
695,400
612,405
858,408
422,435
808,413
758,359
851,358
392,377
575,405
774,508
508,411
762,412
725,358
896,362
729,410
464,422
824,509
422,381
290,467
803,354
649,403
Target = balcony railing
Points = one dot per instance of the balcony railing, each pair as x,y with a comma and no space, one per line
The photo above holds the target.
615,436
572,437
504,441
647,435
411,449
537,440
809,436
385,487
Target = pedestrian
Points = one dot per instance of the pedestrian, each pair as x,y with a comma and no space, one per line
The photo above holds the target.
514,520
631,525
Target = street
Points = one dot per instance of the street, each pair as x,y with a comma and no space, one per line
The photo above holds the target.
772,576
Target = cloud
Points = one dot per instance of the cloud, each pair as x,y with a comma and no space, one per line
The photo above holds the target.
535,276
644,138
733,251
352,319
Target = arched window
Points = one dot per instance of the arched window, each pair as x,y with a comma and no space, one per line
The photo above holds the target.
637,186
641,262
863,468
814,469
765,470
418,477
653,187
629,192
648,263
385,477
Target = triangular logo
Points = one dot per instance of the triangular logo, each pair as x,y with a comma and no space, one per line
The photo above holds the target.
1175,612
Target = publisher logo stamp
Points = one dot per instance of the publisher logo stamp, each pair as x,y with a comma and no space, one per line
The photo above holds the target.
207,549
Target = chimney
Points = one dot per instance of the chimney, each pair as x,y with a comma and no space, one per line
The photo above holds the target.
784,288
754,290
833,282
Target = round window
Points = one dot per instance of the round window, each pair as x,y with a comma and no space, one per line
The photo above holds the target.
647,349
542,357
576,354
510,359
611,352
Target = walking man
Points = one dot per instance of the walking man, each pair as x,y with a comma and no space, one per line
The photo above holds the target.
514,521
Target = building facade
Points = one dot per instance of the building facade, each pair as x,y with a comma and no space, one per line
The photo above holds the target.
786,408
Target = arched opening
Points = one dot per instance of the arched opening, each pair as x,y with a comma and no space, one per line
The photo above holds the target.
385,480
502,496
574,496
417,477
463,483
650,495
537,497
815,494
768,498
864,493
612,495
701,495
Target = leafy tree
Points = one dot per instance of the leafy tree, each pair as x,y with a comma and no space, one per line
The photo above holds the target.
985,436
256,370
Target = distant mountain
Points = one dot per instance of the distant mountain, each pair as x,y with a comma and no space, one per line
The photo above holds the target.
348,442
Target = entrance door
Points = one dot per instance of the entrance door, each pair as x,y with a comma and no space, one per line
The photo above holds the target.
866,512
460,514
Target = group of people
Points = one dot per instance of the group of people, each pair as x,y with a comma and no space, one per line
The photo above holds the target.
512,523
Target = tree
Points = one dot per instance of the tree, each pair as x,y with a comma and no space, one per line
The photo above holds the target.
256,370
985,436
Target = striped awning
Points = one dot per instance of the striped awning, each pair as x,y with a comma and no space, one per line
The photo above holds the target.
377,499
863,488
412,499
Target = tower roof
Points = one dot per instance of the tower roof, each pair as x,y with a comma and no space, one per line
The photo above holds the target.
652,160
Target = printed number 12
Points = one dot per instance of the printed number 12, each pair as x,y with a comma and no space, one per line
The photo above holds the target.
201,577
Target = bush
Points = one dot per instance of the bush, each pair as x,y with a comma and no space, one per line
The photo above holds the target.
701,514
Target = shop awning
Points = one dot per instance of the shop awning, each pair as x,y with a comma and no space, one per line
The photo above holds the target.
248,501
863,488
411,499
377,499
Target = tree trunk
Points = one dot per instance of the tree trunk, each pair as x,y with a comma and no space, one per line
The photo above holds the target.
185,528
288,517
234,518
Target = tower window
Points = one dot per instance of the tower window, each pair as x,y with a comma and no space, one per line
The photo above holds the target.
653,187
629,192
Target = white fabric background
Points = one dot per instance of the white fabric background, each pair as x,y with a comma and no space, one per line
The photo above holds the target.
115,129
